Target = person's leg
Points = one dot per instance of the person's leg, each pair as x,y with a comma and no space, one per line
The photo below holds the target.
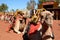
35,36
26,37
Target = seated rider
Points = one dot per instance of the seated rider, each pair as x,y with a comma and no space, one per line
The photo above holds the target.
32,28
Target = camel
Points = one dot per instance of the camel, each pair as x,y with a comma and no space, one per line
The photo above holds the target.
47,21
20,23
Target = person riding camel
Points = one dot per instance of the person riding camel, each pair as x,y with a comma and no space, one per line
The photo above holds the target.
34,27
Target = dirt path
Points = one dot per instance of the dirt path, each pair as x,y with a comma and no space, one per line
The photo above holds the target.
56,29
8,36
13,36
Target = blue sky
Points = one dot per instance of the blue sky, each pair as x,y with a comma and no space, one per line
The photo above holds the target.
15,4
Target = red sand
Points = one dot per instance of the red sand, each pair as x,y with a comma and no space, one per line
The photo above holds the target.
56,29
13,36
8,36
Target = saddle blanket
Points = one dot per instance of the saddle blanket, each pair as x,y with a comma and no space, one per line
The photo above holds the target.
33,28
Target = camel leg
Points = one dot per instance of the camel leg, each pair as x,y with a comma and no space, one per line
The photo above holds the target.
49,39
48,34
16,29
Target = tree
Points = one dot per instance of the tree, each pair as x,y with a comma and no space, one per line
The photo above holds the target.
0,8
12,10
3,7
28,6
40,1
31,4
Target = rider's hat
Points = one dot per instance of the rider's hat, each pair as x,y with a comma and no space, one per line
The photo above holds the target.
19,12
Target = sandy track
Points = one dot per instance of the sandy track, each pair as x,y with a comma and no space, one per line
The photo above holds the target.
13,36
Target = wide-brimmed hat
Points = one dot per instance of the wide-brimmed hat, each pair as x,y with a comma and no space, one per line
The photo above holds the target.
19,12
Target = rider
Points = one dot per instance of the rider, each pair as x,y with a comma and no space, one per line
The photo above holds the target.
33,30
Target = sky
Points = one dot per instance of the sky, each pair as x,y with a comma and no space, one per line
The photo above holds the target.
16,4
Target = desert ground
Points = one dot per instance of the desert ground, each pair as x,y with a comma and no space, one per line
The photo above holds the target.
13,36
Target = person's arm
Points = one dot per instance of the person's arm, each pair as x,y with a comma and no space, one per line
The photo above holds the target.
39,28
26,25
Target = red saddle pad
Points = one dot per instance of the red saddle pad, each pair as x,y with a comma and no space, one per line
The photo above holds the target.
33,28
